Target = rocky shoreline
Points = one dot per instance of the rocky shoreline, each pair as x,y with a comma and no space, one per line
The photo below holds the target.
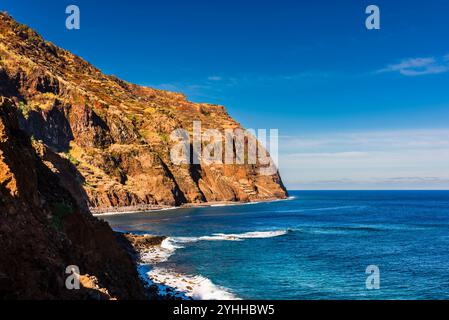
139,245
149,208
129,209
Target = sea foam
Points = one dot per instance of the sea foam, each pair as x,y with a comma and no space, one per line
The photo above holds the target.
158,254
232,236
187,286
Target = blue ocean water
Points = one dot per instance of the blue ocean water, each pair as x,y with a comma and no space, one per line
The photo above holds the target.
314,246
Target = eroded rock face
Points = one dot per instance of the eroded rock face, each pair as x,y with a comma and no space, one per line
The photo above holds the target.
115,133
43,230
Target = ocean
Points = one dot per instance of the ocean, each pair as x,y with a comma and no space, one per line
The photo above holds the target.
316,245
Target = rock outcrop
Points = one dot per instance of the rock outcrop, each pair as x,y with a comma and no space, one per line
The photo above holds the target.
43,230
114,133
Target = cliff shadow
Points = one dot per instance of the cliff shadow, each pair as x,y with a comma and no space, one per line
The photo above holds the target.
49,126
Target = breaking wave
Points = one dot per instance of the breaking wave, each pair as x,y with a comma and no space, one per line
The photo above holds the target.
173,284
232,236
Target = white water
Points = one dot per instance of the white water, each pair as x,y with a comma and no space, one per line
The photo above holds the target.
192,286
232,236
158,254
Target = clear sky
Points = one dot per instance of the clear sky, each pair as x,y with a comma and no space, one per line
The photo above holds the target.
355,108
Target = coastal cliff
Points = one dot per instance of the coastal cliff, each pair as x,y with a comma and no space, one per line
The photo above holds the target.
75,141
109,140
43,230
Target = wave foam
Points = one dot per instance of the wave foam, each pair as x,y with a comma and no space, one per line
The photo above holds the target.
158,254
233,236
320,209
170,283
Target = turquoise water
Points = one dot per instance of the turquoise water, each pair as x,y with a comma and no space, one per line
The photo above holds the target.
315,246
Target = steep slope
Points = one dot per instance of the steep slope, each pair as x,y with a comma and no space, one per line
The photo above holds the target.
42,230
116,134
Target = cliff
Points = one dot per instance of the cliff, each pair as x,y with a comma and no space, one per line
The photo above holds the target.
107,139
42,230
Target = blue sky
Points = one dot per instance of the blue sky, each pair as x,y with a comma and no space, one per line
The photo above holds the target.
355,108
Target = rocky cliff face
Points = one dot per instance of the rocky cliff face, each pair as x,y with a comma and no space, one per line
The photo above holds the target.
42,229
115,134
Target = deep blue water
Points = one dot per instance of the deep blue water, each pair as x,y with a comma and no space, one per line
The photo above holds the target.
332,237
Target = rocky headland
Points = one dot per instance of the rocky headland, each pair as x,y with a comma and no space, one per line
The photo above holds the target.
116,134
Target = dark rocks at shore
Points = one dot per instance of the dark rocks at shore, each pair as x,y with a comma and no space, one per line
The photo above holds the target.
134,244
